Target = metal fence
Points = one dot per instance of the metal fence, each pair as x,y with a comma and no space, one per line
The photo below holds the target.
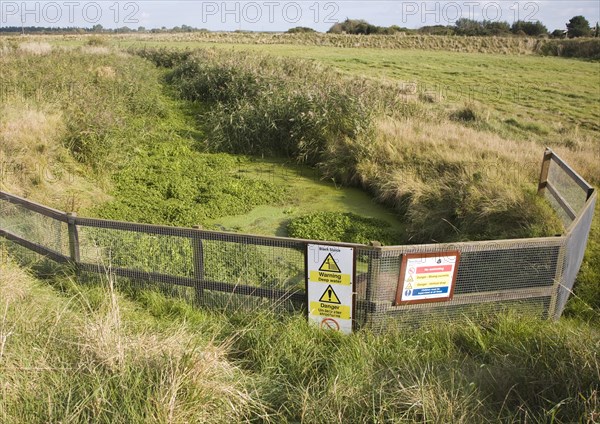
227,269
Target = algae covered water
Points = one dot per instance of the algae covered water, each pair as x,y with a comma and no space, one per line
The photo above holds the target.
307,193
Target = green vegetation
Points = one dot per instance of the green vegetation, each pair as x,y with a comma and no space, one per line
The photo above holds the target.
86,354
300,30
360,26
118,144
79,353
356,132
578,26
346,227
172,184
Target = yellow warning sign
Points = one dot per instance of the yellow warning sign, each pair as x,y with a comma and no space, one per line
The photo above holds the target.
329,265
329,296
329,310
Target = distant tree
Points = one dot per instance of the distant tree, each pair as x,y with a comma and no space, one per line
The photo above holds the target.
470,27
141,29
97,28
437,30
597,30
558,33
578,26
532,29
496,28
300,30
353,26
395,29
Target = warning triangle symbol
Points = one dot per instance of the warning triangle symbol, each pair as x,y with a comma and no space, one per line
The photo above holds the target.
329,265
329,296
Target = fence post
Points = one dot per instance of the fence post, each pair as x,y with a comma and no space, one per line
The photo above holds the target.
198,258
73,238
544,172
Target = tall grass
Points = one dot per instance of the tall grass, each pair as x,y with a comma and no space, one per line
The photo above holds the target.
267,106
91,356
88,344
104,99
493,45
361,132
99,356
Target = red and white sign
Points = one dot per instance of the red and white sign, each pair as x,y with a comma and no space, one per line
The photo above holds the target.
427,277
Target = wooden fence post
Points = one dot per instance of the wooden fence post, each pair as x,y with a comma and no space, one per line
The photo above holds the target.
73,238
544,173
198,258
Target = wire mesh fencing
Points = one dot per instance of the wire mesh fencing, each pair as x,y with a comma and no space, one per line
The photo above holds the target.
235,271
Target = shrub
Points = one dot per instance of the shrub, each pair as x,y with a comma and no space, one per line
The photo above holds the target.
300,30
97,41
267,106
532,29
163,57
585,49
466,114
346,227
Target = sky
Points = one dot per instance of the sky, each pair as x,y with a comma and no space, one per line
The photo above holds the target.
280,15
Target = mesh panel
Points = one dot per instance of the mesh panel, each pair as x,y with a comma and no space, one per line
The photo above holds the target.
567,187
491,275
575,250
215,265
34,227
534,276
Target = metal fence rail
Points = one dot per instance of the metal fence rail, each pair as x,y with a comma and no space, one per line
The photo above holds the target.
219,268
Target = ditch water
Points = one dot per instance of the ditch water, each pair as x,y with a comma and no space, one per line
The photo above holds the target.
309,193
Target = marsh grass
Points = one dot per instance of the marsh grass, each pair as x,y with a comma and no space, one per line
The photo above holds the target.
365,133
90,355
73,353
81,353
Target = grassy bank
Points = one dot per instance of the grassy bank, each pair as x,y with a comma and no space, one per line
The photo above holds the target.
362,132
584,48
108,126
74,354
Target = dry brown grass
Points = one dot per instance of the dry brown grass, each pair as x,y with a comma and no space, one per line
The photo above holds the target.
33,161
450,180
29,142
96,50
35,48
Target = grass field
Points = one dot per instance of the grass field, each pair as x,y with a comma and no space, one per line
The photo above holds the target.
94,129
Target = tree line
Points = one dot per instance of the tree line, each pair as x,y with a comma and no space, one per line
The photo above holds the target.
578,26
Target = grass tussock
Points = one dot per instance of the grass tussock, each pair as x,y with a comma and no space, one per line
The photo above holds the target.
93,357
449,181
35,48
33,162
505,368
